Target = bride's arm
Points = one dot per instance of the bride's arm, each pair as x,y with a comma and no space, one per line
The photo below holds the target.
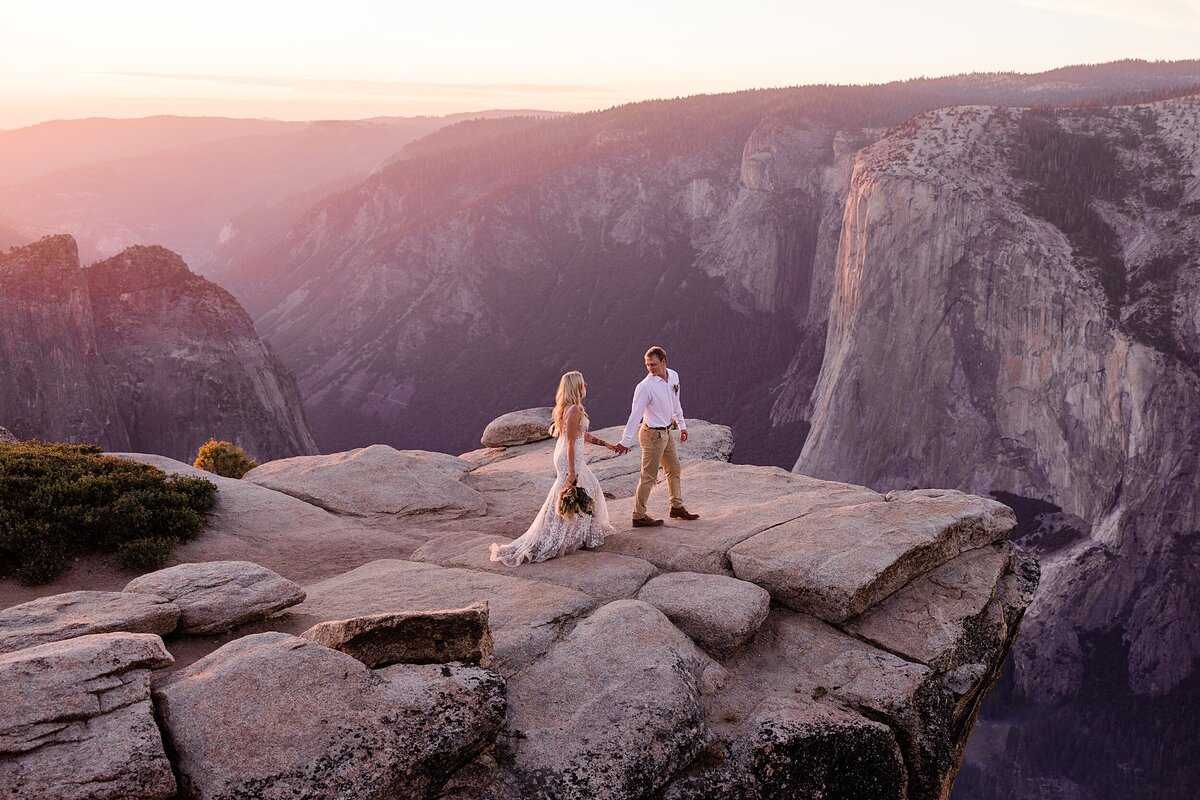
571,421
587,437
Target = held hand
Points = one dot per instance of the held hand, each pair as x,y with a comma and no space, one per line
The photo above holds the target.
683,436
620,449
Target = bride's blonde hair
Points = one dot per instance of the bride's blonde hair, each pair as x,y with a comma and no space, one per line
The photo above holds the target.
570,393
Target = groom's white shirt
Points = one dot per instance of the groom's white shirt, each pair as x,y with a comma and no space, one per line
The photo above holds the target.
655,402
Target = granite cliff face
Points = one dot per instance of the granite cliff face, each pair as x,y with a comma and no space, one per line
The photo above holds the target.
982,340
398,302
54,382
137,352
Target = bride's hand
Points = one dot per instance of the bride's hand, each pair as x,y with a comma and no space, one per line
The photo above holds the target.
571,477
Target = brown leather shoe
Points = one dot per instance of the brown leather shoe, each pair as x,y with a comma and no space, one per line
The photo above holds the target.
682,513
646,522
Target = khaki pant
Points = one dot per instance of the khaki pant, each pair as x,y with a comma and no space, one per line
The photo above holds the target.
657,447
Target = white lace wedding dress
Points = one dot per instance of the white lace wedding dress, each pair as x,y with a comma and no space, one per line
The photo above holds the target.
551,535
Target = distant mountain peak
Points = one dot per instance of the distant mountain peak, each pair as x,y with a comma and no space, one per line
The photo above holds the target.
46,256
144,266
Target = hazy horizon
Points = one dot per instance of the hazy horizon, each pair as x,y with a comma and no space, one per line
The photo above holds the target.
298,61
547,110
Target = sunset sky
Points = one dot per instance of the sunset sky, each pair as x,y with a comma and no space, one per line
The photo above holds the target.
304,60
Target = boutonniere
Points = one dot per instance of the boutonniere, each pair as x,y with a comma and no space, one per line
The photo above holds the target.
676,388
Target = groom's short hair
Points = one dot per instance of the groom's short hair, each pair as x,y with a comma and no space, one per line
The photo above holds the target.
657,352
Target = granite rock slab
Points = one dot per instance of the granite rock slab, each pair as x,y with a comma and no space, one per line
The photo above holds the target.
76,720
65,616
836,562
217,596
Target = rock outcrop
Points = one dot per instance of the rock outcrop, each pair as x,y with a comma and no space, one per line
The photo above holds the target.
65,616
273,714
525,616
601,674
76,721
137,353
624,713
835,563
217,596
518,427
720,613
424,637
736,502
374,480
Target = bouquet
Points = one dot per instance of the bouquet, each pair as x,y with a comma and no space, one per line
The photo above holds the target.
572,500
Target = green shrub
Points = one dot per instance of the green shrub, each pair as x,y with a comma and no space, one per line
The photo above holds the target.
224,458
144,555
60,500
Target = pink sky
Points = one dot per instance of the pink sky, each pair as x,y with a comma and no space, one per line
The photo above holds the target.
305,60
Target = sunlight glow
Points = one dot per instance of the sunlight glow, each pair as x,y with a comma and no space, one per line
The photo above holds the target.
305,60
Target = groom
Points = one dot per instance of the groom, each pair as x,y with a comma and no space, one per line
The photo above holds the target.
656,407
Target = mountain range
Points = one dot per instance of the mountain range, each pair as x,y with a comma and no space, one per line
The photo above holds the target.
180,181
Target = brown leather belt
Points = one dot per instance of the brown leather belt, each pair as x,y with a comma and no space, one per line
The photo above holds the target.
652,428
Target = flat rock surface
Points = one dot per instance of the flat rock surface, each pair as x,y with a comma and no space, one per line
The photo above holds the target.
375,480
835,562
419,637
720,613
931,619
65,616
216,596
734,501
76,720
611,711
605,576
278,531
525,616
518,427
275,712
824,658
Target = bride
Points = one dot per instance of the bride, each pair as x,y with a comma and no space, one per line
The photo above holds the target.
552,535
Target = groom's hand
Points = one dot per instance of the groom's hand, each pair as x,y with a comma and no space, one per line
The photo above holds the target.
621,449
683,436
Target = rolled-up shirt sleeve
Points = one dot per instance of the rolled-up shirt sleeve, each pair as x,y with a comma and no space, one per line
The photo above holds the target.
678,405
641,398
